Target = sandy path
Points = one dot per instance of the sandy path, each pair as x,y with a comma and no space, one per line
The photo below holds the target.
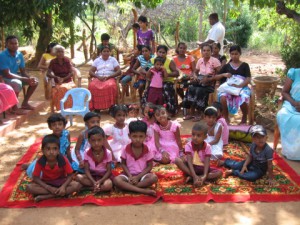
13,146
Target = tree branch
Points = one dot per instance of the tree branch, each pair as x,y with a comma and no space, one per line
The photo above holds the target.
281,9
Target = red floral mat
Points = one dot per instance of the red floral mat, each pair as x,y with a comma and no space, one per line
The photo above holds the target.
170,188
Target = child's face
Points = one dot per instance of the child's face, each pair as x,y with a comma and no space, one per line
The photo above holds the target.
158,65
146,111
259,140
94,121
105,42
198,137
51,151
182,49
137,138
142,24
161,116
210,120
57,127
146,52
162,53
136,51
120,117
133,113
96,141
216,50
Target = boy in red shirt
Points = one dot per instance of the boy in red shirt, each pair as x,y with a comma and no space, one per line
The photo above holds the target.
57,173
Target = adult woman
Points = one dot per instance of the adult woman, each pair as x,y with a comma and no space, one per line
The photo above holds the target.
170,97
216,47
60,69
8,100
288,117
201,83
47,57
103,85
230,102
186,64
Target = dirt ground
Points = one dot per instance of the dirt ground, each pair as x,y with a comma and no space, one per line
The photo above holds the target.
15,144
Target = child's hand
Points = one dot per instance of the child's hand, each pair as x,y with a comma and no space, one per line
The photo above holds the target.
134,180
61,191
197,181
244,169
165,156
52,190
202,180
96,186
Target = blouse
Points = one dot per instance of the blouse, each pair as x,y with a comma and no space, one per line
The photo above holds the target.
105,67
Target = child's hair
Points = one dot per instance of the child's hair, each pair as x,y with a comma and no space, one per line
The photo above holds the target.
133,107
96,130
159,59
180,43
163,47
50,46
218,106
160,107
136,26
90,115
211,111
137,126
143,19
105,37
217,44
56,117
201,126
50,138
115,108
139,47
147,47
104,47
151,111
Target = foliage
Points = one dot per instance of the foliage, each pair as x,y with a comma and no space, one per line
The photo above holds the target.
270,104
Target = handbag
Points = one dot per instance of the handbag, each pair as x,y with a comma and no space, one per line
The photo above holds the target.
240,133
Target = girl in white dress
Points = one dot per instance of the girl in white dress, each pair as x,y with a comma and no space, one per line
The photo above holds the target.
118,131
214,135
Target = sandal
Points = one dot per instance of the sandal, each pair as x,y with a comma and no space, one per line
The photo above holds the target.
188,117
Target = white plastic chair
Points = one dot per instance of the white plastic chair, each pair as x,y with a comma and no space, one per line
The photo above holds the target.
81,98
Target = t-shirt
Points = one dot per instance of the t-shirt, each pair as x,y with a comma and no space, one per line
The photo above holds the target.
186,65
60,170
217,34
145,64
243,70
105,67
13,63
157,78
136,165
145,38
202,153
97,168
61,70
261,159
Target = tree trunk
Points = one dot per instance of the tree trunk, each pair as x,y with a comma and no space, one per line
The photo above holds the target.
135,18
72,40
225,12
85,51
45,35
201,12
92,33
2,39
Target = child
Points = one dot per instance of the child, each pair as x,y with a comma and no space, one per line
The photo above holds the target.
137,162
198,152
149,119
57,123
167,137
258,162
215,129
97,163
53,174
156,75
145,36
222,121
118,131
133,112
105,42
90,119
135,27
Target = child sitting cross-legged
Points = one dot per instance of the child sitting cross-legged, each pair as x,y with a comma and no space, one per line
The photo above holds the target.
53,174
196,165
97,163
257,163
137,162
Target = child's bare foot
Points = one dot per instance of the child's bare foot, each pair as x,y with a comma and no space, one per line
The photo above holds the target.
220,163
39,198
188,179
227,173
24,166
150,192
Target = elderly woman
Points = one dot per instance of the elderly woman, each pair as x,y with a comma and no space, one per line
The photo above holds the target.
288,117
201,83
60,69
103,85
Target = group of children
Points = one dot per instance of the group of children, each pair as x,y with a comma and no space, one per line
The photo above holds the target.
137,144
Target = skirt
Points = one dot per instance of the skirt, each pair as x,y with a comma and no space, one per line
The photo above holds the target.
8,97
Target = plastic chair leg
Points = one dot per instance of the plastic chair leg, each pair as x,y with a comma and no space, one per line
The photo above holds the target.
71,120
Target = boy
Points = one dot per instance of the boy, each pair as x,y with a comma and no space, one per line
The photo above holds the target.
198,150
136,162
105,42
57,173
258,162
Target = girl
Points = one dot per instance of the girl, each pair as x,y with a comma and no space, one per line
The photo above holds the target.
167,137
198,152
118,131
216,47
222,121
149,119
133,113
97,163
214,137
91,119
156,76
145,36
144,62
53,174
57,123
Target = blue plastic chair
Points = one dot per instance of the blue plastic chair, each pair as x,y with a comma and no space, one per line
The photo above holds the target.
81,98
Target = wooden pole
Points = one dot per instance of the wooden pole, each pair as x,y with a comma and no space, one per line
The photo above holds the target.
85,49
135,18
225,12
177,33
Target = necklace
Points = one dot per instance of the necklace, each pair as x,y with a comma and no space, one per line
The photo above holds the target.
167,127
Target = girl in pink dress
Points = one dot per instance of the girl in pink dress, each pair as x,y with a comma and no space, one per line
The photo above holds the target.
167,137
222,121
118,131
149,119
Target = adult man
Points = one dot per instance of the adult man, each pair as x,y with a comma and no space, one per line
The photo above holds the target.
11,62
216,33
